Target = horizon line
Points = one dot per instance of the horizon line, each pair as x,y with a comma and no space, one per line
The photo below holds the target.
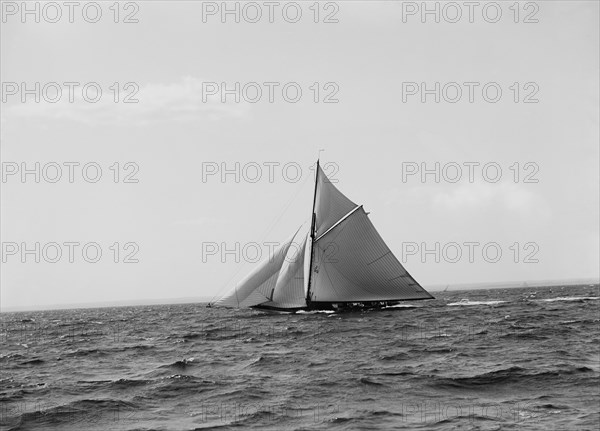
207,299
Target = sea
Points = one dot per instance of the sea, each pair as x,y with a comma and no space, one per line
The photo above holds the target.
502,359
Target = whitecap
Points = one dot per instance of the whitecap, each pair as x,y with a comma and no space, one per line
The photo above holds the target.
315,311
568,298
467,302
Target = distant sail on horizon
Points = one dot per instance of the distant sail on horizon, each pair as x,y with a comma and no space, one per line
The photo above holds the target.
341,259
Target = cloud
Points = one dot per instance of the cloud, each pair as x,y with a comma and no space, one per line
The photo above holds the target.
202,221
465,196
520,199
177,101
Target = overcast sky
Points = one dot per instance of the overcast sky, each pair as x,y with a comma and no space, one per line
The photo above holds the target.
179,132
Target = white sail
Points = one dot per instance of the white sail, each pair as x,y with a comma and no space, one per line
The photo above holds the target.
347,261
351,262
289,288
257,288
330,204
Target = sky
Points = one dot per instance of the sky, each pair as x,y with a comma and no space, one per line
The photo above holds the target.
195,184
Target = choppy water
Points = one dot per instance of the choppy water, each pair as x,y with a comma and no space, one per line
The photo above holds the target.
524,358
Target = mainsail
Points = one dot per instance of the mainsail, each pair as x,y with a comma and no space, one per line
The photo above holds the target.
341,259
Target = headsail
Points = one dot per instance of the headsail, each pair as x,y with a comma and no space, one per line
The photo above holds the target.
278,281
289,288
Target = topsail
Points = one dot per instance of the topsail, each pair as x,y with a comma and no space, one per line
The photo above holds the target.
340,259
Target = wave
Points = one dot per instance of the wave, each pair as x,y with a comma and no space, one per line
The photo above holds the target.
507,375
468,302
394,356
568,298
184,363
116,384
179,377
402,306
315,312
36,361
369,382
85,412
457,419
264,360
10,356
87,352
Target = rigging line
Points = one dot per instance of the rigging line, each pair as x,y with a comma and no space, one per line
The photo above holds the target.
270,227
402,275
380,257
287,206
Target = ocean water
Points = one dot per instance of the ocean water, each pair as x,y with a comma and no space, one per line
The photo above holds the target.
526,359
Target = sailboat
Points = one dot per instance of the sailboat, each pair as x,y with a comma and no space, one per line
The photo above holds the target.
340,262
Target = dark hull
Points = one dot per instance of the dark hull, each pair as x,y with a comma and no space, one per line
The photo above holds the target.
352,306
336,306
277,309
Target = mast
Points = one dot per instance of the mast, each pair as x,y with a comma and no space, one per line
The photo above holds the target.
312,235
